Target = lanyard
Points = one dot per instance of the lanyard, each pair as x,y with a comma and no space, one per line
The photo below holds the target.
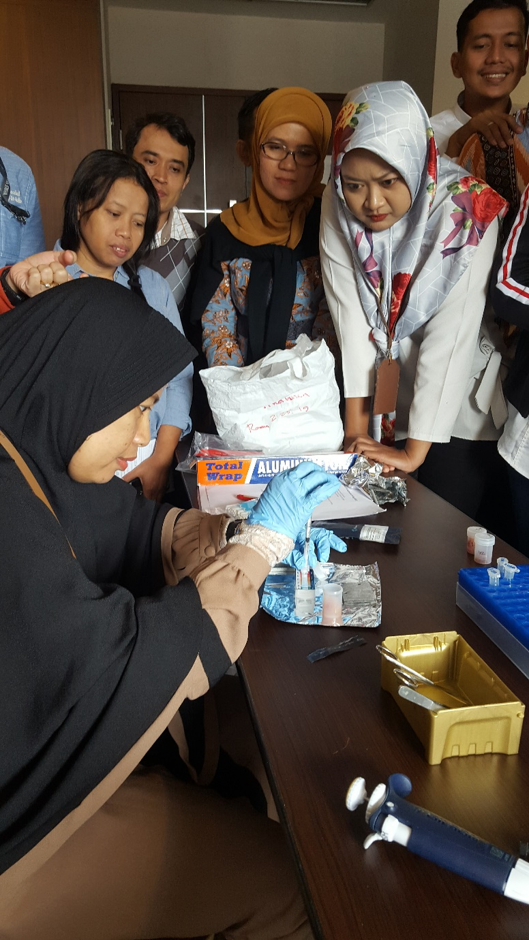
20,214
386,327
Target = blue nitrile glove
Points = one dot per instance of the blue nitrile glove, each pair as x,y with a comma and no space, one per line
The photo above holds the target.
291,497
321,542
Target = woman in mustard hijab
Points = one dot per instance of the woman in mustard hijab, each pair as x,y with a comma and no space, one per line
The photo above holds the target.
259,283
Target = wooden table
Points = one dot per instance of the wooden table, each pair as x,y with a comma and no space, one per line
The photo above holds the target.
322,724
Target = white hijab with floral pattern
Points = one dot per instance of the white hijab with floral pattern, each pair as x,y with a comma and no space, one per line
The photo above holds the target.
411,267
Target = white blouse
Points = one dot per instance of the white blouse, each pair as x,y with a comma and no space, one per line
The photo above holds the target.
514,442
449,368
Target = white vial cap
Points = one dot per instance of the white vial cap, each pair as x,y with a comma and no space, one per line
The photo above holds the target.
484,538
494,577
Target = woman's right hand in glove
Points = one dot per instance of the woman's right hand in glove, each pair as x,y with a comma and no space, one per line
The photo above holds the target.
290,498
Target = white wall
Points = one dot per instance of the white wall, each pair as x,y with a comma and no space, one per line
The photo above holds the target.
409,52
164,47
446,87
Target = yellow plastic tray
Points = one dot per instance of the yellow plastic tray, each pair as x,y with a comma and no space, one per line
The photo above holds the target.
491,724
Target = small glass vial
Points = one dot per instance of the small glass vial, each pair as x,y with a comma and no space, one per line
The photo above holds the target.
483,546
501,562
471,532
331,614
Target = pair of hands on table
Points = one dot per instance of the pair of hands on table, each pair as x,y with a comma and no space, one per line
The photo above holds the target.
406,459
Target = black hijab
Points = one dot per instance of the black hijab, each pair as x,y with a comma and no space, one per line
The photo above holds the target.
86,664
72,361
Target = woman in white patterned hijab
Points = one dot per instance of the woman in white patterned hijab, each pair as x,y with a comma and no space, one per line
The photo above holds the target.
407,246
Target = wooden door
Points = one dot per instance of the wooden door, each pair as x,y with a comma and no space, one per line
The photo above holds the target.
226,177
51,77
218,178
217,175
134,101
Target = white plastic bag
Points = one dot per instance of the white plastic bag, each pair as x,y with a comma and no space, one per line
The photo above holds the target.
286,403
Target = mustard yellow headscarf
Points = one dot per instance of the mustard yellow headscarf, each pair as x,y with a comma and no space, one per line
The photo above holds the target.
261,219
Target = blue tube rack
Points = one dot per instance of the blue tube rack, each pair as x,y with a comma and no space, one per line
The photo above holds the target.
502,612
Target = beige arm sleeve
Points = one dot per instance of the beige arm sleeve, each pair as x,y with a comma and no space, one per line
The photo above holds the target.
188,539
228,586
227,577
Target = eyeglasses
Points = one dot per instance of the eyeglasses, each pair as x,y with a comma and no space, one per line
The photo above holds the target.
304,156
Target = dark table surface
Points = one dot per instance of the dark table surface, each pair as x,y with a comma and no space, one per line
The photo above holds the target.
322,724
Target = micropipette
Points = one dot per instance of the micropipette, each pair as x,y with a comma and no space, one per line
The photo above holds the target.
393,819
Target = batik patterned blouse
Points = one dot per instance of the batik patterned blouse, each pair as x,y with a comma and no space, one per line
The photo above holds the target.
224,321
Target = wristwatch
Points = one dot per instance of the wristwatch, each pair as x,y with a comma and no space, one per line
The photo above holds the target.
232,528
12,295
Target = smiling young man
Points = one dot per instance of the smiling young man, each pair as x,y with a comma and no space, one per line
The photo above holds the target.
163,144
491,59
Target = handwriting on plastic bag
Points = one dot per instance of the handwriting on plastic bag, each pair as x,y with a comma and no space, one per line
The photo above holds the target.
297,409
283,401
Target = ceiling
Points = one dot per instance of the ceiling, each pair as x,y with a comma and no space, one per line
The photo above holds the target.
376,12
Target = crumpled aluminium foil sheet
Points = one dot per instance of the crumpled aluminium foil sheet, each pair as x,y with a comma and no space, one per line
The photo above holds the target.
368,477
362,598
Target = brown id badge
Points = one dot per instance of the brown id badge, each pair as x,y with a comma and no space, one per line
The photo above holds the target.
386,387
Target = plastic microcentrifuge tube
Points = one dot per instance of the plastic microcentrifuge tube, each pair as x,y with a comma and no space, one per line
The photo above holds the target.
331,614
471,532
321,573
304,594
494,576
509,572
501,562
483,545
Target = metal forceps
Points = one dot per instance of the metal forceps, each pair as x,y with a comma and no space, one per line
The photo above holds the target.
414,679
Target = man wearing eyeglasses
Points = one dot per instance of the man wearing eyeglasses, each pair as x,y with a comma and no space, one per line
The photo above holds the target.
21,232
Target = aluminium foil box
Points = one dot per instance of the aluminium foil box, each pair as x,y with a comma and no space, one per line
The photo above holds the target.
260,468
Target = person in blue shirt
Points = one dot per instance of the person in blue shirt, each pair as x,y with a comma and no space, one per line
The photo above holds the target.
21,232
110,218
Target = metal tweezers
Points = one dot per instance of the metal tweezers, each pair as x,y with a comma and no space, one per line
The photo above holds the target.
325,651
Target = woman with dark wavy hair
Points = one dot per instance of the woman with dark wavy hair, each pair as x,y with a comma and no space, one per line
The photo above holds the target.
110,218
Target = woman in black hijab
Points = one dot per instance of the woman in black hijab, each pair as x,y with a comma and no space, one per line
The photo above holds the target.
98,648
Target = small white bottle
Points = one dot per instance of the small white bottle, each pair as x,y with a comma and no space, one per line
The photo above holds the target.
331,613
483,546
471,533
